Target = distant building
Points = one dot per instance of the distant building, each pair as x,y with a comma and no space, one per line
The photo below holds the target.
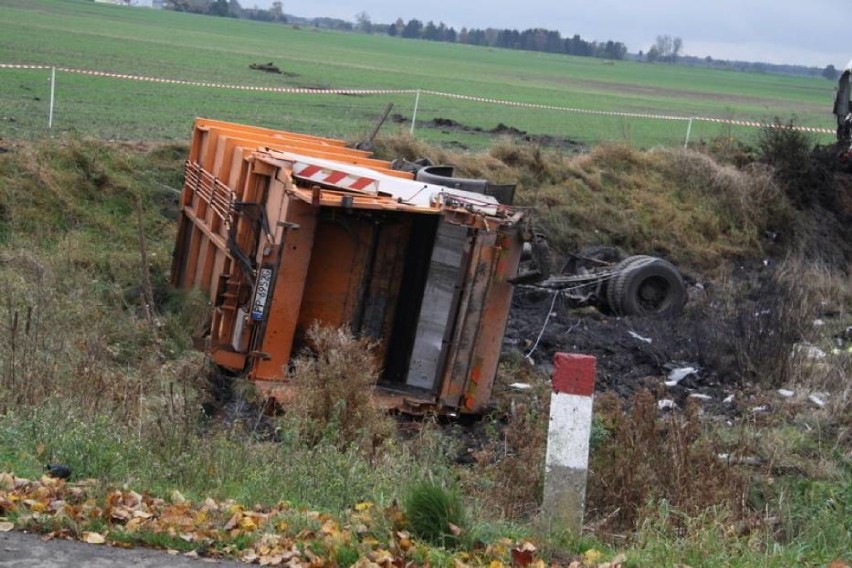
140,3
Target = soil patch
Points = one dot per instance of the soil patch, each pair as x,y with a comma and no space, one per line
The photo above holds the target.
448,126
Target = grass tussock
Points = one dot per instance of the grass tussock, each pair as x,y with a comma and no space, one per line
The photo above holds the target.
680,204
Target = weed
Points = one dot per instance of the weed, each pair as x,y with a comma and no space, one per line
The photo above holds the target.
334,385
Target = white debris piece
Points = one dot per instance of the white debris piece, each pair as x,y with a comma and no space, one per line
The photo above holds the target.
666,403
521,386
810,351
729,399
678,375
819,323
744,460
635,335
763,408
700,396
817,400
786,393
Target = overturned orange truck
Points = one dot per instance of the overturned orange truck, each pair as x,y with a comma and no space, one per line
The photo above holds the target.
283,229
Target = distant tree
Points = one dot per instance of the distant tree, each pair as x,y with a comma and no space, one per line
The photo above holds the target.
666,48
277,12
412,29
392,30
677,46
830,73
234,9
363,22
218,8
430,32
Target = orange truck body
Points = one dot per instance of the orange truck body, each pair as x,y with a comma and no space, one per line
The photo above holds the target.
283,229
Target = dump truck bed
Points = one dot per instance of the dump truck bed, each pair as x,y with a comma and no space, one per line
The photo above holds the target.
283,229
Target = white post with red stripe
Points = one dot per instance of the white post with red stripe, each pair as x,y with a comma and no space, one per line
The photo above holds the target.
567,461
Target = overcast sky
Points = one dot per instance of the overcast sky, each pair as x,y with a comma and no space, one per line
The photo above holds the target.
805,32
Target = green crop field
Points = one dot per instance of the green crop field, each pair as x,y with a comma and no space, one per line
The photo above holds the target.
164,44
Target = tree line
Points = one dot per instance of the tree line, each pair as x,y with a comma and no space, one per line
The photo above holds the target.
533,39
536,39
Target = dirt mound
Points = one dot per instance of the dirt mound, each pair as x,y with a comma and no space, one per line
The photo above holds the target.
448,125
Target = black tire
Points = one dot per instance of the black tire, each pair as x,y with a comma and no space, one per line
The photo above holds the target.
610,299
647,286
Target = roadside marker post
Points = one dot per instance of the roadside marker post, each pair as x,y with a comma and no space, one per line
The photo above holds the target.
52,96
567,461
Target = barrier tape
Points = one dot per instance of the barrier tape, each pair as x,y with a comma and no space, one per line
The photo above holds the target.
306,91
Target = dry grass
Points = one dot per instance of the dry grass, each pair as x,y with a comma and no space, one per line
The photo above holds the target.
333,397
649,459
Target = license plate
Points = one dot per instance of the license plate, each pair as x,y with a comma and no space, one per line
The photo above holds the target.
261,293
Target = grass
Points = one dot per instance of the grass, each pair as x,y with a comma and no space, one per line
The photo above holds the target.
199,48
88,379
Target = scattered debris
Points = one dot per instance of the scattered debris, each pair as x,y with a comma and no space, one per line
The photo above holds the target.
635,335
810,351
57,471
700,396
521,386
786,393
666,403
268,67
740,460
729,399
762,408
677,375
817,400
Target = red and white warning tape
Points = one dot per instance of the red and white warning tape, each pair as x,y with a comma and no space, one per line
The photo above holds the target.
304,91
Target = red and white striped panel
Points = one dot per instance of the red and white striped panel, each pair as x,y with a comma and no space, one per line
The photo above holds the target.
335,178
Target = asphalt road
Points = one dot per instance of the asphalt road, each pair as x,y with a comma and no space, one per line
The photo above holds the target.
23,550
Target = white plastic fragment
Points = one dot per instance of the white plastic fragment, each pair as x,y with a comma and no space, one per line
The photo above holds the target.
786,393
817,400
666,403
743,460
521,386
678,375
729,399
635,335
819,323
700,396
763,408
810,351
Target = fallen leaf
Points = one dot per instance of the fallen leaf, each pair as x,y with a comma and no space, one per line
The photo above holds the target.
363,506
93,537
454,530
521,557
6,526
39,448
591,556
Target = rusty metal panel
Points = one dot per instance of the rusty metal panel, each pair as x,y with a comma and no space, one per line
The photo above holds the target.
469,320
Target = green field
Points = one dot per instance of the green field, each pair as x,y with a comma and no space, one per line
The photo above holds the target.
81,34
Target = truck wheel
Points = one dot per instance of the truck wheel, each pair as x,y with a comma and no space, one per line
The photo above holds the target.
647,286
609,298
